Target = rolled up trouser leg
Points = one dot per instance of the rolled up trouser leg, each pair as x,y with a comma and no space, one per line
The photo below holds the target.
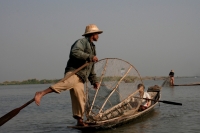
76,87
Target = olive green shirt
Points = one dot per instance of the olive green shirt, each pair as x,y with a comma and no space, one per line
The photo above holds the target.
81,52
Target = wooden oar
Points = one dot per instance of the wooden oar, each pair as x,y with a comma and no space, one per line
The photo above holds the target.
163,101
14,112
169,102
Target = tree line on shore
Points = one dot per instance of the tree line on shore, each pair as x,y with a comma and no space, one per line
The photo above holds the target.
30,81
51,81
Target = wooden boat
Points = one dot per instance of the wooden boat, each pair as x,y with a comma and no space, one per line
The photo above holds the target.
127,116
117,99
167,83
192,84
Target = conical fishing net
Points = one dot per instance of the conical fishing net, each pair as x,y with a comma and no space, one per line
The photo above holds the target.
118,86
166,82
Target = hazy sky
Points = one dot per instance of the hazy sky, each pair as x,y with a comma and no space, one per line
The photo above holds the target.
153,35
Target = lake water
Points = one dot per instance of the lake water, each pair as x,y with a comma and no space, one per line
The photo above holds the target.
55,114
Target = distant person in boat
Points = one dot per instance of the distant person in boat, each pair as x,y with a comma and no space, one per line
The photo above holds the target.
171,76
82,51
145,102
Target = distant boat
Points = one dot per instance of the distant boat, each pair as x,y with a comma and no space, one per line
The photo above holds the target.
192,84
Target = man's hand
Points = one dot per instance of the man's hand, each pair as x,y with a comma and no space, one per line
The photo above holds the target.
94,59
96,85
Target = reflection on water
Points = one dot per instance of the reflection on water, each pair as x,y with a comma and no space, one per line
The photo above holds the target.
54,114
171,89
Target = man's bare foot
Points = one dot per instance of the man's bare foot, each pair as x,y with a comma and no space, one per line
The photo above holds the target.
38,96
81,123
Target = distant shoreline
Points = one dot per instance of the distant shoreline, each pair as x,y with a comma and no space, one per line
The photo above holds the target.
47,81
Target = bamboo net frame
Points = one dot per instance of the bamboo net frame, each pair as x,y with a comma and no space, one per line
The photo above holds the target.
114,90
98,87
118,85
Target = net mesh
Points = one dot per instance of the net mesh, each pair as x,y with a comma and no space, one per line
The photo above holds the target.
115,97
166,82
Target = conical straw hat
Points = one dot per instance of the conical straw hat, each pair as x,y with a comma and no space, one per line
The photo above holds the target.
92,28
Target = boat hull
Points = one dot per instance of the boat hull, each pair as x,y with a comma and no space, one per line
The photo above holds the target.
124,119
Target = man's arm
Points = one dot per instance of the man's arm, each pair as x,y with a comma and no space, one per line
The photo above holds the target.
148,101
93,79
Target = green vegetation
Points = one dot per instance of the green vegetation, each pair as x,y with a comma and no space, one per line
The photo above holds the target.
127,79
30,81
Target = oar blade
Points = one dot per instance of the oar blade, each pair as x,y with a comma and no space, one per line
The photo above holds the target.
9,116
173,103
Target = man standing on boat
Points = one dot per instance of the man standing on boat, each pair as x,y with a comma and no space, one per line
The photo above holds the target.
82,51
171,76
